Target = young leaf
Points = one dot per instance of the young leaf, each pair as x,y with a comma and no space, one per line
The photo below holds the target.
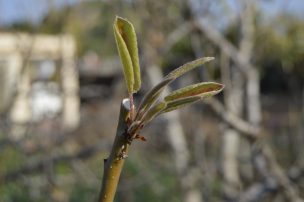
176,104
127,47
153,112
203,90
188,66
153,94
150,98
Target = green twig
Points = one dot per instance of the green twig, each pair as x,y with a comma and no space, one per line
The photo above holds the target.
113,165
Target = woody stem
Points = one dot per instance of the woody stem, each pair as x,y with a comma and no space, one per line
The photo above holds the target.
113,165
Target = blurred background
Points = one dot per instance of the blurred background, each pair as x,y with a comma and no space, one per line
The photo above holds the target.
62,84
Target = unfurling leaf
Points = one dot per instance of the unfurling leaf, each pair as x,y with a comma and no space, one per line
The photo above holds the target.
133,127
176,104
126,41
153,94
203,90
150,98
153,112
188,66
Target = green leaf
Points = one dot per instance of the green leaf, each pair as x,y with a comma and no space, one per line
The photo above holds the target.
203,90
176,104
126,41
150,98
153,94
191,94
153,112
188,66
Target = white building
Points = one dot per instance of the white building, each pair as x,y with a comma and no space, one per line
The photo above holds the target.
38,78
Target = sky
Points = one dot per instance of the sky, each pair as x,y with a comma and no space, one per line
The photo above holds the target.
34,10
30,10
292,6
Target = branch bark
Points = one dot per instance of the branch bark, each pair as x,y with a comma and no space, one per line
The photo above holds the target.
113,165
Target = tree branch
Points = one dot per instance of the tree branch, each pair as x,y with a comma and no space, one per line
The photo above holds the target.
113,165
228,48
234,121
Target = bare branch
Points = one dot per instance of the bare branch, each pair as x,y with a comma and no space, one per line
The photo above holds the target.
229,49
291,192
236,122
176,35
